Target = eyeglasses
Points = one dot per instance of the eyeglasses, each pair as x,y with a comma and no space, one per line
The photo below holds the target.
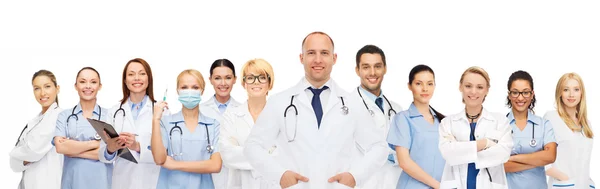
515,94
250,79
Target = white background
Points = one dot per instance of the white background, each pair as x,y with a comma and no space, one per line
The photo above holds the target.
544,38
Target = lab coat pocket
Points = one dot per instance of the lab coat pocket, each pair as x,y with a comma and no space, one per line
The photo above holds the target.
337,185
300,185
498,186
449,184
566,184
591,183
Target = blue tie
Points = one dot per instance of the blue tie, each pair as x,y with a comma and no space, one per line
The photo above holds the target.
379,103
316,103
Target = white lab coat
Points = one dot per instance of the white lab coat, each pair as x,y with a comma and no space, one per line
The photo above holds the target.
389,174
317,153
45,169
576,167
210,109
235,128
458,151
126,174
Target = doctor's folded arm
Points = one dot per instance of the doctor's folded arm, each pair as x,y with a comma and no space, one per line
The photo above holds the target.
132,119
33,154
316,127
78,141
184,144
534,143
475,143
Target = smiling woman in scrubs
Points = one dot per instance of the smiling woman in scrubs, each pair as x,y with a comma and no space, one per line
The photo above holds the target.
414,134
77,139
533,137
573,134
185,143
33,154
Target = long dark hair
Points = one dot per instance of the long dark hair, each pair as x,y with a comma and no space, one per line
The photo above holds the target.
149,90
411,77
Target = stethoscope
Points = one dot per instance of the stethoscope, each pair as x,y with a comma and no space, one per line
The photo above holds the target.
344,110
532,142
209,147
371,111
123,111
20,135
97,136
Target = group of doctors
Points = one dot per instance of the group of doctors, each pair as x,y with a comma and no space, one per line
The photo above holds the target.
367,141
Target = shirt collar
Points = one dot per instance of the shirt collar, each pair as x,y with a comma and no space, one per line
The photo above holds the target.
369,94
307,84
78,109
221,104
141,104
536,120
414,112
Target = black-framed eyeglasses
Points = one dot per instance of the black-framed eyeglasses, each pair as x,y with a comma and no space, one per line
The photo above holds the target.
250,79
515,94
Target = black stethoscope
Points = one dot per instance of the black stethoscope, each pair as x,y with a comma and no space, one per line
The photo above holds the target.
472,118
123,111
532,142
97,136
20,135
344,110
371,111
209,147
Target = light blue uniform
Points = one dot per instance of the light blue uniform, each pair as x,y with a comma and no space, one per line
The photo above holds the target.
410,130
194,149
79,172
544,134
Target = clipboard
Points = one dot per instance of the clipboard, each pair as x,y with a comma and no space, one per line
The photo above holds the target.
101,126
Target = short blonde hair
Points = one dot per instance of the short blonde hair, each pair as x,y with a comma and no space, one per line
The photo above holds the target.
581,107
260,66
476,70
194,73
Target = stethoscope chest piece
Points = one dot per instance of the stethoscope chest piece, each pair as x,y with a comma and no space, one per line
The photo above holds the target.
532,143
209,148
345,110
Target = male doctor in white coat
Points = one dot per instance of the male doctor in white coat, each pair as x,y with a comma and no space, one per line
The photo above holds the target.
371,67
316,126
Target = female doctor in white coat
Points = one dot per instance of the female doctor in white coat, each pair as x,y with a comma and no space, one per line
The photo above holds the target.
257,79
222,78
475,143
573,134
33,154
132,118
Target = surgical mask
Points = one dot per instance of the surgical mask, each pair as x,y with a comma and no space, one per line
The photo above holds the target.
189,98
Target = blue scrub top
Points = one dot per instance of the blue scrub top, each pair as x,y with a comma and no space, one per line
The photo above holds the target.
79,172
410,130
544,134
192,145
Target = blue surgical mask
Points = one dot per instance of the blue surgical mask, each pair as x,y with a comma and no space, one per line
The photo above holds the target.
190,98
